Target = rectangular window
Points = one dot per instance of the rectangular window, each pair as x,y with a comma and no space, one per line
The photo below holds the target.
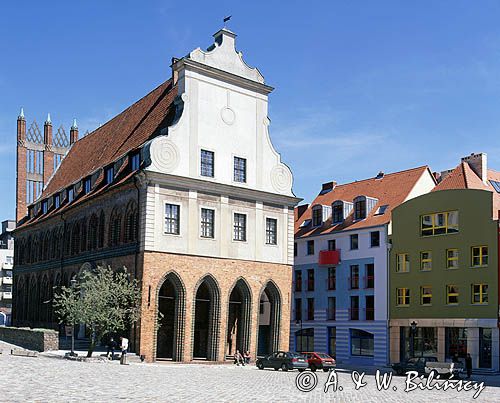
403,296
354,311
403,263
310,308
57,161
374,239
240,169
317,216
57,200
271,231
295,249
426,261
370,275
426,295
207,163
207,223
298,308
332,341
479,256
362,343
337,213
451,294
354,279
135,161
360,209
479,293
452,258
44,207
298,280
439,223
87,185
310,247
354,241
369,307
331,308
332,244
310,279
110,175
332,278
172,219
71,194
240,227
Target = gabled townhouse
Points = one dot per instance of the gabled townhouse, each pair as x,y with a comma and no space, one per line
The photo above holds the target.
340,300
444,270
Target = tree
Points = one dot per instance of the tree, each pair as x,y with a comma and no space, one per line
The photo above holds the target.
105,300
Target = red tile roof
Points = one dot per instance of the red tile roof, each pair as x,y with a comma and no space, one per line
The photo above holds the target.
391,190
463,177
125,132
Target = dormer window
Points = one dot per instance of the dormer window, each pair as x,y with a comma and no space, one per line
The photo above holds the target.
44,207
317,216
135,161
360,208
71,194
57,200
110,174
87,186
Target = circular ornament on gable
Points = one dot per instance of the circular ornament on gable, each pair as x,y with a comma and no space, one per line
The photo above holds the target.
281,179
228,116
165,154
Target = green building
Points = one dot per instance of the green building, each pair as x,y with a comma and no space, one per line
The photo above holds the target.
444,272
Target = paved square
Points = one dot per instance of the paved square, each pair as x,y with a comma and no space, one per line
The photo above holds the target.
45,379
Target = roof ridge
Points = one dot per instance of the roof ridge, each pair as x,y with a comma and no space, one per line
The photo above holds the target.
388,174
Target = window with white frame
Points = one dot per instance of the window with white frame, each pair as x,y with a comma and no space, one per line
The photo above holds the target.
172,214
240,169
207,163
207,223
271,231
240,227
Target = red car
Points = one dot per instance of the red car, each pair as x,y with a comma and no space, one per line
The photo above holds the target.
320,361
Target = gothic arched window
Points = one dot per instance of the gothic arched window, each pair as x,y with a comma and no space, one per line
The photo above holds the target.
131,224
93,230
115,226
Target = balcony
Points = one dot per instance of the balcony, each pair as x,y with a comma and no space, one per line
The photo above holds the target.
329,257
6,280
6,266
7,295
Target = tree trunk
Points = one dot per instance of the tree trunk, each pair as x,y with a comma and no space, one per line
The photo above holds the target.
91,345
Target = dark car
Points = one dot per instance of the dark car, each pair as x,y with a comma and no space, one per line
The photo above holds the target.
320,361
412,364
286,360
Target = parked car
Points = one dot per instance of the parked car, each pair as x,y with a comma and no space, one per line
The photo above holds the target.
444,369
286,360
413,364
320,361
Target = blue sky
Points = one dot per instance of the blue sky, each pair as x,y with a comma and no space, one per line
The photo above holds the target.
361,86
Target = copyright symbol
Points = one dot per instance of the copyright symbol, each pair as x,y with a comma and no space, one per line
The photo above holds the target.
306,381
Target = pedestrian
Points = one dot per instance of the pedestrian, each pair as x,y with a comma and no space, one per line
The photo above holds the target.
247,357
468,365
124,348
111,348
238,359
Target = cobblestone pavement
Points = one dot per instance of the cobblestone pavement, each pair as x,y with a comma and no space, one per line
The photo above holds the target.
57,380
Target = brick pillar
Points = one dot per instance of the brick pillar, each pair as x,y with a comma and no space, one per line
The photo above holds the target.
48,154
21,167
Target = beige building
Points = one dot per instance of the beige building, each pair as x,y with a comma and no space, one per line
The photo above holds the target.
185,189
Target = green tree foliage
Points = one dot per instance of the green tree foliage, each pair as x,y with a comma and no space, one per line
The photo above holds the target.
106,301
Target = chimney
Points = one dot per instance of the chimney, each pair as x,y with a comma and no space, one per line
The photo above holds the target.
437,176
301,210
21,126
47,131
73,133
21,167
479,164
328,187
380,175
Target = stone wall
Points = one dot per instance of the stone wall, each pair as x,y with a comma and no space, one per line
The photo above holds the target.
32,339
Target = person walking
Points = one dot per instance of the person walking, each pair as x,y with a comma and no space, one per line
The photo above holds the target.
111,348
468,365
124,348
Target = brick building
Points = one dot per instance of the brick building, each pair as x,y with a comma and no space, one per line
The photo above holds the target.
185,189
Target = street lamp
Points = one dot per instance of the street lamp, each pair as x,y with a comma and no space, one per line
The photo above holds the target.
413,331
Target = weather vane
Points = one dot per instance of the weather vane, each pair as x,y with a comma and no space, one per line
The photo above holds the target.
226,19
